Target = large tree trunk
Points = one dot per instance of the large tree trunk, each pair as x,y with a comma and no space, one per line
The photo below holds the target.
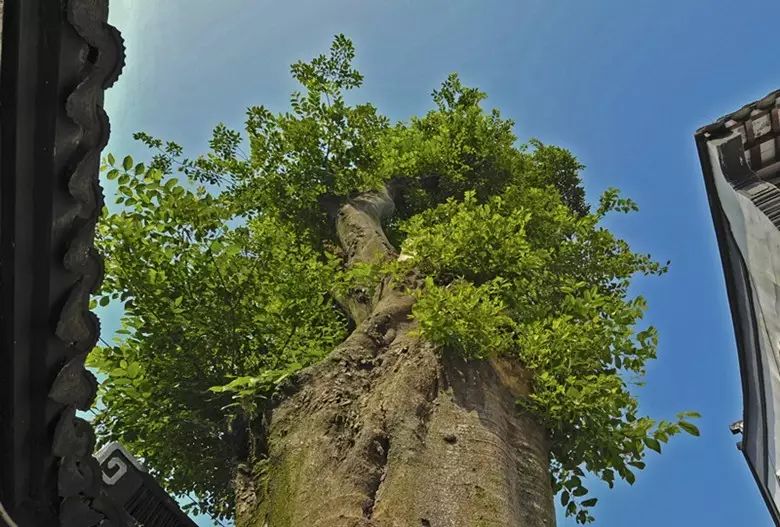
389,431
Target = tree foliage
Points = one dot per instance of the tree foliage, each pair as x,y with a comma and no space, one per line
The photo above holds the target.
206,304
230,277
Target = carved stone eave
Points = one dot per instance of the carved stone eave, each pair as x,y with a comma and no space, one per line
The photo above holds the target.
57,60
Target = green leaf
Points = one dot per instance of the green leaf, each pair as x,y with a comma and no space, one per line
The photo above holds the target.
688,427
565,498
652,444
589,503
112,174
127,163
110,159
133,370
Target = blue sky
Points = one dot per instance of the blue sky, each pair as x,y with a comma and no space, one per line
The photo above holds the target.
622,84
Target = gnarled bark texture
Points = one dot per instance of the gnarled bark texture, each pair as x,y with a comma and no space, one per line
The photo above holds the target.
390,432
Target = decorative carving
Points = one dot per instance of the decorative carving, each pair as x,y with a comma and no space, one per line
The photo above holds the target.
72,436
121,470
57,60
74,384
137,492
84,500
115,451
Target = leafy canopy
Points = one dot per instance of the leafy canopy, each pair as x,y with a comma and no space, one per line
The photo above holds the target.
228,271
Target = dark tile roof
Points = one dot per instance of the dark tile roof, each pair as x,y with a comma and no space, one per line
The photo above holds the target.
743,114
759,125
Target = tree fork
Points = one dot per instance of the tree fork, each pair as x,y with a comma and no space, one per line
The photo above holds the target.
389,431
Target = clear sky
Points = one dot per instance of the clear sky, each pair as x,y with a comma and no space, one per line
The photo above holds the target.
623,84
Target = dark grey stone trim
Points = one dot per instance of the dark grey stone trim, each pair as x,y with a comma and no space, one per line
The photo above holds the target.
57,59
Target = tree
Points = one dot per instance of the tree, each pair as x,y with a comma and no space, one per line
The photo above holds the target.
366,323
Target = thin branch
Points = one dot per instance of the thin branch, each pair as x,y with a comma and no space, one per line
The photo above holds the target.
243,154
289,338
238,345
200,506
6,517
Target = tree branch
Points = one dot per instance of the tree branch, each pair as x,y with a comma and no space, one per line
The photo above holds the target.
359,227
359,230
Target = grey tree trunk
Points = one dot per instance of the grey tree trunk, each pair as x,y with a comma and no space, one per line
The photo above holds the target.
390,432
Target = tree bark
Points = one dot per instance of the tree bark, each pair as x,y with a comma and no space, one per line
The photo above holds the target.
389,431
